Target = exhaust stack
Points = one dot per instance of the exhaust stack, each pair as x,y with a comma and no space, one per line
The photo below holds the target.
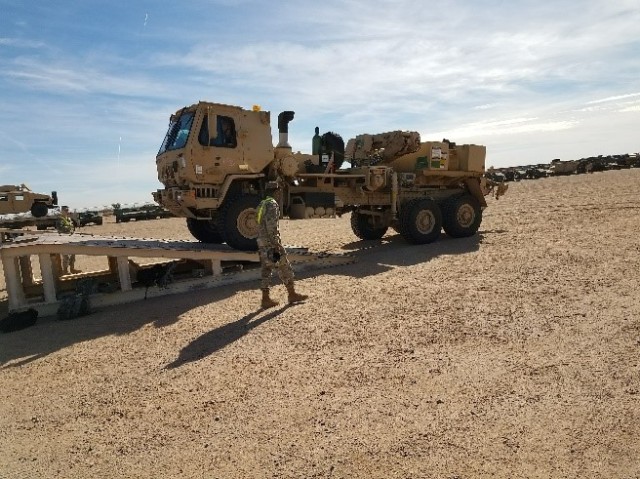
283,128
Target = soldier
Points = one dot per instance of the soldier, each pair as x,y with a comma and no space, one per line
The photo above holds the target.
65,225
272,254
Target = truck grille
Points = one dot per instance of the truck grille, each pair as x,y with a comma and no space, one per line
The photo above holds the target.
207,192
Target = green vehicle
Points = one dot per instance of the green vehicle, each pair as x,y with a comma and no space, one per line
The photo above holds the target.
84,218
144,212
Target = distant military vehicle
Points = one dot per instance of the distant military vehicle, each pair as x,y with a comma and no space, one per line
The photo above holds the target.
563,167
20,199
84,218
144,212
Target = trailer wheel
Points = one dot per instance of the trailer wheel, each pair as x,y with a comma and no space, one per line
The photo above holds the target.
38,210
204,231
363,227
237,222
461,216
421,221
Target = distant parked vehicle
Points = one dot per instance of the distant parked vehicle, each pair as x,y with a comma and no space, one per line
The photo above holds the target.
84,218
563,167
20,199
144,212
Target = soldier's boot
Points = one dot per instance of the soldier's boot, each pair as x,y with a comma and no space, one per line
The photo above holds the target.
293,296
267,302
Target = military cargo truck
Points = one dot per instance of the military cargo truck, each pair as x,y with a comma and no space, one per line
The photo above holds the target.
216,159
16,199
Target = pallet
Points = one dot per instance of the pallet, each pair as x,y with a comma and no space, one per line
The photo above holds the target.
190,266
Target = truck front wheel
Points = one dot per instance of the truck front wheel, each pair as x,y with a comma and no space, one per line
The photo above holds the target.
204,231
420,221
461,216
38,210
363,227
238,224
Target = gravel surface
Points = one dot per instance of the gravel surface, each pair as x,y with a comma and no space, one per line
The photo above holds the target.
513,353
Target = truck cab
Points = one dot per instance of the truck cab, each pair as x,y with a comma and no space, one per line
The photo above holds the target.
206,144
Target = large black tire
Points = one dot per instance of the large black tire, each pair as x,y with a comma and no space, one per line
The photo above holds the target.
363,228
420,221
204,231
38,210
461,216
237,222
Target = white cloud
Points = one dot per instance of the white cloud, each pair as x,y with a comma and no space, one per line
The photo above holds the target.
631,108
20,43
75,77
614,98
514,76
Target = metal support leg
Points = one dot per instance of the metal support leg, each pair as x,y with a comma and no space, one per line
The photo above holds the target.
216,267
123,273
15,292
26,271
48,278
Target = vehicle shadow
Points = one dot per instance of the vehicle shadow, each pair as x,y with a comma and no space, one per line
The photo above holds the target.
393,251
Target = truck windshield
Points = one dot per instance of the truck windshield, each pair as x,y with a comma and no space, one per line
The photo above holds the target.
178,132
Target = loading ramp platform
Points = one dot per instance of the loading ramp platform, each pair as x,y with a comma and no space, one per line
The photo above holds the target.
172,266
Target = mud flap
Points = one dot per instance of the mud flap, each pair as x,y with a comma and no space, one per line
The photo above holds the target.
473,185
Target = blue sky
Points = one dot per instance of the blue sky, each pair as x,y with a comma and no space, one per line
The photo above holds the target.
88,86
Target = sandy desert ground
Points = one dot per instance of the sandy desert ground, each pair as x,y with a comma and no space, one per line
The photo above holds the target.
511,354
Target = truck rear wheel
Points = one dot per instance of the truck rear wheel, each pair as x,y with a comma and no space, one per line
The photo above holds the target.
461,216
237,222
38,210
363,227
204,231
420,221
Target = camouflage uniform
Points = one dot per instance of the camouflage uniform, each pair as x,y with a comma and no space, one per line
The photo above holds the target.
272,254
64,225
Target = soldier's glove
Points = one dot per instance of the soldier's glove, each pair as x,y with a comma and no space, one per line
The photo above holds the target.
273,255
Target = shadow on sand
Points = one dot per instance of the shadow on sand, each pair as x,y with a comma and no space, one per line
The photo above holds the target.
218,338
48,335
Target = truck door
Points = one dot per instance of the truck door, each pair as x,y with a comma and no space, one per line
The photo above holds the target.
255,140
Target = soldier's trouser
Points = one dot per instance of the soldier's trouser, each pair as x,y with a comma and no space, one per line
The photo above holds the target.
267,266
68,261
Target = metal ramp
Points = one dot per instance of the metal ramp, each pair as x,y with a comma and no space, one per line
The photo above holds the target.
188,266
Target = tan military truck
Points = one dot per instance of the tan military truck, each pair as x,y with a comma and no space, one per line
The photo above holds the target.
20,199
216,158
559,167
